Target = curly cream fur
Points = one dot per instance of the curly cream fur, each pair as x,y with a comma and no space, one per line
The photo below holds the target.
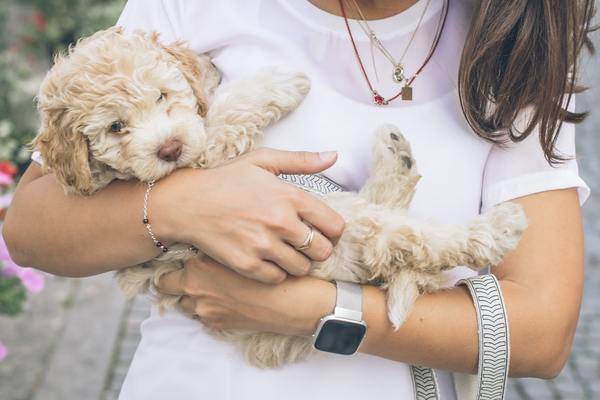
111,76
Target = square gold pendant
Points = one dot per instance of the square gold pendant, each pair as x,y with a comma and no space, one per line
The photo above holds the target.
407,93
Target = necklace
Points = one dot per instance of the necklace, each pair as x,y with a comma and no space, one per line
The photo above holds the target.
397,66
406,91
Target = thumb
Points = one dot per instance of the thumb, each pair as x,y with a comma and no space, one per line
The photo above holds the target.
292,162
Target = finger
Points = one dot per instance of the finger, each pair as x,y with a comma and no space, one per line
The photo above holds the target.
187,305
171,283
291,260
321,216
292,162
320,248
260,270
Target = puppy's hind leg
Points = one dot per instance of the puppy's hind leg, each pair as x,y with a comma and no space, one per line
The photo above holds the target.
271,350
402,291
394,175
484,242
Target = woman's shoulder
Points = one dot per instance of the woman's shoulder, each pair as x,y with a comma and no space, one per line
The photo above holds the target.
199,22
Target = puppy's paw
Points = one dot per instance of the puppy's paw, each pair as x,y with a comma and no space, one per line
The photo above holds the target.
286,89
506,223
134,280
393,150
270,350
166,302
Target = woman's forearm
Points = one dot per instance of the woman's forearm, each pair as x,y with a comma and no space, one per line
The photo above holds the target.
218,210
444,323
73,235
437,322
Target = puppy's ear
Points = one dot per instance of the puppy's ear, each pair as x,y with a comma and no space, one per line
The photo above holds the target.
198,70
64,150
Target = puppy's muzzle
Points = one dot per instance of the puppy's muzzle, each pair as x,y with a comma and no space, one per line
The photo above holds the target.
170,151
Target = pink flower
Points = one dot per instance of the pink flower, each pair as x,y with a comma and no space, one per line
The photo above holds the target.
5,200
30,278
5,179
2,351
4,255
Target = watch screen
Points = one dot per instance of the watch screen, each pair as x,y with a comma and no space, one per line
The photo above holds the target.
340,337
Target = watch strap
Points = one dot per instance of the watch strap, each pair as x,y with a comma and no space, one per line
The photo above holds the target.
348,302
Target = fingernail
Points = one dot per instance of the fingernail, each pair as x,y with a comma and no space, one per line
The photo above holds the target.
327,155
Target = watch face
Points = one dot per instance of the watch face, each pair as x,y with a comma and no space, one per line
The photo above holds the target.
340,337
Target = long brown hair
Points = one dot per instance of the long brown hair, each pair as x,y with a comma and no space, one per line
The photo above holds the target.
523,53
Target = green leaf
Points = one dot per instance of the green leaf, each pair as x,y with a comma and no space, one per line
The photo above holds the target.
12,295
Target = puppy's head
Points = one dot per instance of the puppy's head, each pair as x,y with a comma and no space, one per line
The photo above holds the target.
122,106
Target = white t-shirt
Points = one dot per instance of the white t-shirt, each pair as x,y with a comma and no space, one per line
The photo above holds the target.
462,174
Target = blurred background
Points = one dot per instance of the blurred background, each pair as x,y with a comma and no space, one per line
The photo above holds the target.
66,339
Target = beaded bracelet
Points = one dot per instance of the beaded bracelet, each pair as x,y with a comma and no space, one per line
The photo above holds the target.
146,222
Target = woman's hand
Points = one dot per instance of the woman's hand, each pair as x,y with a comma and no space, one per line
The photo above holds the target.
243,216
223,299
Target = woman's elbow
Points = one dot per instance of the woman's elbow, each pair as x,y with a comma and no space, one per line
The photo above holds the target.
552,362
16,249
21,250
551,353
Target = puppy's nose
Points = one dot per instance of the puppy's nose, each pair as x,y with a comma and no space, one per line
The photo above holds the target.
170,151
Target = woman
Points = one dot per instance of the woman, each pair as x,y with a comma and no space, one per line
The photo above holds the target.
517,53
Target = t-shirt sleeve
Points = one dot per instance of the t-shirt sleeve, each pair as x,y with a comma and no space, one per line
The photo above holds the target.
151,15
519,169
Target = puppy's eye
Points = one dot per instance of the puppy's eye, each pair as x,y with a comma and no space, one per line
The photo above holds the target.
117,126
162,97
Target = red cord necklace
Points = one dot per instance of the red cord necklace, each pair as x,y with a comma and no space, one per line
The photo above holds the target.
406,91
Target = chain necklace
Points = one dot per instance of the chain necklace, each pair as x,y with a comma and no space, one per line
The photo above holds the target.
406,91
398,67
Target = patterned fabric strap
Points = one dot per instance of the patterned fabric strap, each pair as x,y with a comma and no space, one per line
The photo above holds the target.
494,346
317,184
424,383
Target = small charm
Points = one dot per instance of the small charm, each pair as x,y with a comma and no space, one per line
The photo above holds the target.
407,93
398,75
379,100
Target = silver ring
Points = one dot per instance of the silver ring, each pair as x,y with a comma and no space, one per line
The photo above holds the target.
308,241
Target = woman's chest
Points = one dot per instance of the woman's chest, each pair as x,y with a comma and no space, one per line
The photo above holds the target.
449,156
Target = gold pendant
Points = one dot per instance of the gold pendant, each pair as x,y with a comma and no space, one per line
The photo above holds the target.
407,93
398,74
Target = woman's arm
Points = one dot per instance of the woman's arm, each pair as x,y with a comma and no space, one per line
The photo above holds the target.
240,214
541,281
71,235
542,284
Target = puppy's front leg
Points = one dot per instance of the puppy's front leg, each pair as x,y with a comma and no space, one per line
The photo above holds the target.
241,111
394,175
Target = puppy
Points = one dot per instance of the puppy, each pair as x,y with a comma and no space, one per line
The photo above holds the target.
128,107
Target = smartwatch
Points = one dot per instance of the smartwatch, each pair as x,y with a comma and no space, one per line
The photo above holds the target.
343,331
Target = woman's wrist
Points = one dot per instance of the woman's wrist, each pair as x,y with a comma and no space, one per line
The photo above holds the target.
310,298
165,207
